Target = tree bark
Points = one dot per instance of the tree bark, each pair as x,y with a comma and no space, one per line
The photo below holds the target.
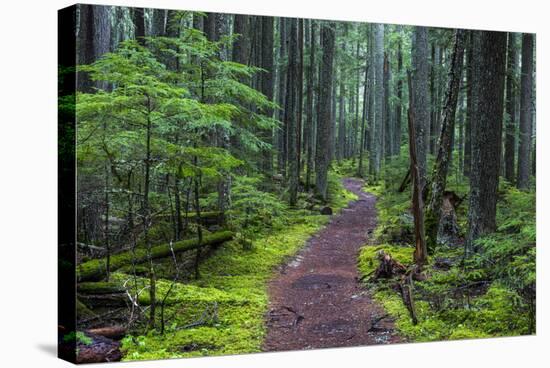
526,112
421,104
420,255
488,84
267,85
377,133
510,133
322,156
310,123
439,178
291,108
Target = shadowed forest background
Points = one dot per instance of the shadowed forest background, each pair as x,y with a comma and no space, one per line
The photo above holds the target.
211,147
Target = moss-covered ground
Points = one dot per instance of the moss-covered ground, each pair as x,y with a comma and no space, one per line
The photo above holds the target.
229,300
488,294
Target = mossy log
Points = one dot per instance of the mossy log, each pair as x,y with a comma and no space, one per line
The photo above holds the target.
100,287
82,311
94,270
94,301
111,332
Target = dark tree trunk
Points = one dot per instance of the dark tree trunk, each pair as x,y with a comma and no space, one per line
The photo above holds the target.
94,40
281,137
300,93
139,25
209,27
241,47
421,104
267,84
510,132
291,108
439,179
526,112
488,84
158,24
470,107
198,22
322,157
310,123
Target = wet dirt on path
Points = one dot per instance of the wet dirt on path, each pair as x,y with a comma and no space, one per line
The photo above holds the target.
316,300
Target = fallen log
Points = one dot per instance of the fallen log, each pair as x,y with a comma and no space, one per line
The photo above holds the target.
99,349
118,300
111,332
100,287
94,270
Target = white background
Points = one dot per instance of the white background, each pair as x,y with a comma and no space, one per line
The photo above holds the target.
28,180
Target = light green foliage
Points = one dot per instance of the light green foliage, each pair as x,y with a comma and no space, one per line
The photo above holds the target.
252,209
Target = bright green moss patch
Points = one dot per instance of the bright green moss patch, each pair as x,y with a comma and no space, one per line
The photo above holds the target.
230,298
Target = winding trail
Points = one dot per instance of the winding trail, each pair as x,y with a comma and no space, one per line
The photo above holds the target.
316,301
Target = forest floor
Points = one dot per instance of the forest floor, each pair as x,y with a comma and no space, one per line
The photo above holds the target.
317,300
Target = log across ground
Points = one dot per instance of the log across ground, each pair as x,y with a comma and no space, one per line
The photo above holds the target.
316,300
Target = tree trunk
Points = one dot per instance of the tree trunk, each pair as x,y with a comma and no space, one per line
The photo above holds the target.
510,133
281,138
291,111
139,25
267,85
488,84
526,112
310,128
421,104
377,133
322,157
158,24
439,179
388,129
398,105
470,108
420,255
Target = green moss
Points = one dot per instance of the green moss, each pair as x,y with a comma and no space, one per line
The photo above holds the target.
100,287
234,283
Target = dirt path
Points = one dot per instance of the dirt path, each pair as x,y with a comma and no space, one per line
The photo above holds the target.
316,301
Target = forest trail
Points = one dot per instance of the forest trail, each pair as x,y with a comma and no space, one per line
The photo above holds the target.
317,300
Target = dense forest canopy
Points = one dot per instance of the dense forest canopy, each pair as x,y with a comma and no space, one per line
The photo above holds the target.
199,129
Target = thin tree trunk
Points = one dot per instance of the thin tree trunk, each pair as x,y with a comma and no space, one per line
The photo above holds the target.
526,112
291,111
309,105
439,178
